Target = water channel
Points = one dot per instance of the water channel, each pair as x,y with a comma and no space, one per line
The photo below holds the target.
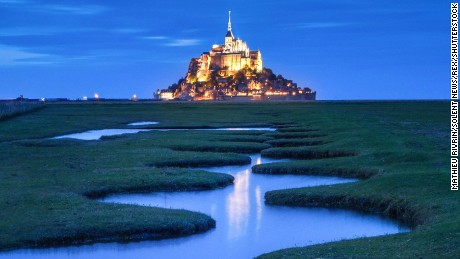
98,134
246,227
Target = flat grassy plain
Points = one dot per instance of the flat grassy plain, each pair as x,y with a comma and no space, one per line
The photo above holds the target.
399,149
10,109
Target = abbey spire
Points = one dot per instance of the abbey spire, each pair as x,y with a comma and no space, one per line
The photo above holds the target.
229,21
229,36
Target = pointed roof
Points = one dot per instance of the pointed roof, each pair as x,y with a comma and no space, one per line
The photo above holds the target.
229,32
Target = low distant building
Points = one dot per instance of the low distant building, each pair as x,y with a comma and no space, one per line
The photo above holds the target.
166,95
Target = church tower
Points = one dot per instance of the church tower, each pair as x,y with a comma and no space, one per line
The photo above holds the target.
229,36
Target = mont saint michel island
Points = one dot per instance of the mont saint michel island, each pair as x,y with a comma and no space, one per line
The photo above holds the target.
232,71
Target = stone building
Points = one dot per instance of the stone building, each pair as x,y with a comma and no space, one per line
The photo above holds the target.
226,59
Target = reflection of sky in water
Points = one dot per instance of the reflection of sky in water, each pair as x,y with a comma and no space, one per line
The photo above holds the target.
143,123
266,129
97,134
246,227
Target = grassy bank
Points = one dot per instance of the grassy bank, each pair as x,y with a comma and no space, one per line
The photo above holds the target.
402,155
399,149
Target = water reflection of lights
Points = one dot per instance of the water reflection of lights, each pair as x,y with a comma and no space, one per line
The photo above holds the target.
238,206
259,203
259,160
258,194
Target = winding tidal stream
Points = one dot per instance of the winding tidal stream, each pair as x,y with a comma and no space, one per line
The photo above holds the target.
246,227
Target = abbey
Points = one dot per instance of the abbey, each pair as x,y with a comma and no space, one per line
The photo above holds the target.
227,59
231,71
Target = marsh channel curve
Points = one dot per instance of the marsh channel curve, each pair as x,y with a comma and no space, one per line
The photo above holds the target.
245,228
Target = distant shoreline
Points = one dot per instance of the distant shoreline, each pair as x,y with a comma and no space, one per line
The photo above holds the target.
127,101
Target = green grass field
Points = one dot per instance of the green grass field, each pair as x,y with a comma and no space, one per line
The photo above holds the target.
400,150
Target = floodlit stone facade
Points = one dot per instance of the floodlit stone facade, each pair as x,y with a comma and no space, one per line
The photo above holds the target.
226,59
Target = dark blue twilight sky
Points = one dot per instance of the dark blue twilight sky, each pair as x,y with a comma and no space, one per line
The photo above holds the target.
344,49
